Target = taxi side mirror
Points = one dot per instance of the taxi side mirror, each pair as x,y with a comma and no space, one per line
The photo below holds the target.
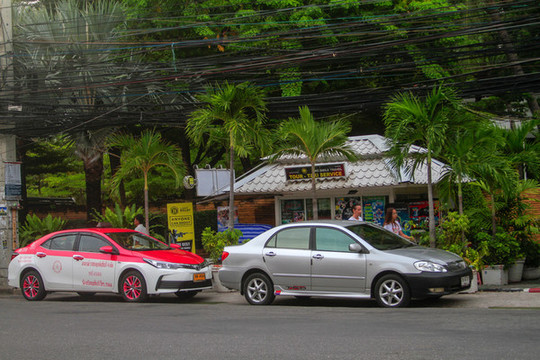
108,250
175,246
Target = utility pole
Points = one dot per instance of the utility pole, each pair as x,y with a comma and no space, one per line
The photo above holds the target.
8,205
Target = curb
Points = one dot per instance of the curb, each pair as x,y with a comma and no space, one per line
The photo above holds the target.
527,290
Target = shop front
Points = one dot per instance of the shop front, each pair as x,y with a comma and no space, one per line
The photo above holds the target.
370,181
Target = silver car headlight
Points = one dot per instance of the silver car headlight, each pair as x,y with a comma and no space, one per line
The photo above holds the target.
174,266
429,266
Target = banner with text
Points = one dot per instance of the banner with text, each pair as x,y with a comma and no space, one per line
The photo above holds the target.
181,227
321,171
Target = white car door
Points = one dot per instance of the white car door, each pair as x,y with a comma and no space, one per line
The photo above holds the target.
54,260
334,267
93,271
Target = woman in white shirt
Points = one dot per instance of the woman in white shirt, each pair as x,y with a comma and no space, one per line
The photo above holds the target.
391,223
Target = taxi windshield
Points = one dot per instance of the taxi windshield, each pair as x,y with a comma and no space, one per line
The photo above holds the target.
380,238
137,241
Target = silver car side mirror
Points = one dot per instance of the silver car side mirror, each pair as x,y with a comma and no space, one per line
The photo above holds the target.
356,247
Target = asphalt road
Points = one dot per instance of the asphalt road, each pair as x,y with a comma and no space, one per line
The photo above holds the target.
223,326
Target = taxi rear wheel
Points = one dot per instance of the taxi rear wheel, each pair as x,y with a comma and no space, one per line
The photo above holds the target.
258,289
186,295
133,287
32,287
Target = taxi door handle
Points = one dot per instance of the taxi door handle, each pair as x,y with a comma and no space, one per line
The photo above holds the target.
318,256
270,253
78,257
41,254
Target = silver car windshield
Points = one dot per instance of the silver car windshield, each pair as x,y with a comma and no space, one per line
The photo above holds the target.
379,237
137,241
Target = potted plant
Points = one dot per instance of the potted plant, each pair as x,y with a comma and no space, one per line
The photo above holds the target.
213,243
531,269
503,250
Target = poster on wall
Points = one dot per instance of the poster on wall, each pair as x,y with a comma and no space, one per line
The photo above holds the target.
373,209
292,211
223,217
181,227
419,213
344,206
403,217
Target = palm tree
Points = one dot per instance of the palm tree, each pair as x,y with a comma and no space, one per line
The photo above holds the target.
315,140
232,115
467,149
53,46
410,121
140,155
523,153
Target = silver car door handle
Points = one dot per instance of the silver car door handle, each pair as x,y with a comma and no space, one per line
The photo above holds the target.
318,256
78,257
270,253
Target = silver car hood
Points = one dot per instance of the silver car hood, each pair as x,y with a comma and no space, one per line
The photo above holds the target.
424,253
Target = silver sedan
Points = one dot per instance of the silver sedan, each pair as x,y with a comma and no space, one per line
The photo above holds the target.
347,259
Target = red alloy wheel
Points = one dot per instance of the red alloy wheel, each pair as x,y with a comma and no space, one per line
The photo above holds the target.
133,287
32,286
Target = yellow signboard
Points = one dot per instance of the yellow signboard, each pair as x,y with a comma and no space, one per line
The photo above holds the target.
181,229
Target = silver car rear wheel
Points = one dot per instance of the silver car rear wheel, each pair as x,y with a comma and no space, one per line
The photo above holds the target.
258,289
392,291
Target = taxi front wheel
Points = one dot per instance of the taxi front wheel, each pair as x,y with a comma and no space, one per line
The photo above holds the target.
133,287
32,286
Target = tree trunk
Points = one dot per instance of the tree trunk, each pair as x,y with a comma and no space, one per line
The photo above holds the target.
231,189
146,206
114,158
432,242
314,191
93,172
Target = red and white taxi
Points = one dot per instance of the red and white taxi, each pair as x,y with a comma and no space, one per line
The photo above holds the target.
122,261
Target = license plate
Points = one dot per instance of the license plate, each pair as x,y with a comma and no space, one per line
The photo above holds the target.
465,281
201,277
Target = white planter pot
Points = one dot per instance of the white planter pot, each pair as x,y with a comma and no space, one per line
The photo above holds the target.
495,275
531,273
515,272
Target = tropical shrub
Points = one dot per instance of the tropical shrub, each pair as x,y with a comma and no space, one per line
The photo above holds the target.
214,242
502,248
117,217
34,227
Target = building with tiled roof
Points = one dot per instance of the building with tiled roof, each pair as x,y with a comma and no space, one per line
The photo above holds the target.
370,181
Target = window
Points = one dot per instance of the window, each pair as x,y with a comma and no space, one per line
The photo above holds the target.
332,240
295,238
89,243
62,242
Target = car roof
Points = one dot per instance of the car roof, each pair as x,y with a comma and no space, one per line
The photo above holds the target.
330,222
98,230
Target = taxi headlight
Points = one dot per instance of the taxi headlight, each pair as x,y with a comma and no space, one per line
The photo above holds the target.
429,266
174,266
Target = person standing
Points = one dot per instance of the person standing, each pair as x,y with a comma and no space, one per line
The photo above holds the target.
138,221
391,223
356,213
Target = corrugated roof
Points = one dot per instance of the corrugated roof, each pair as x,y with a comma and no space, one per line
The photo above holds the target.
373,170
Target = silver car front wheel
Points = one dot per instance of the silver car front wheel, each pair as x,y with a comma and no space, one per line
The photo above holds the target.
258,289
392,291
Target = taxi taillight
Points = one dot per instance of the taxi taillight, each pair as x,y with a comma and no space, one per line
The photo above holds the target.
224,255
14,255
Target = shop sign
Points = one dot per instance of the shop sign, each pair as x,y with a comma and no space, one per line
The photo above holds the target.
321,171
181,227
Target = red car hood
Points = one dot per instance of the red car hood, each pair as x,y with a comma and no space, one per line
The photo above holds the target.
172,256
